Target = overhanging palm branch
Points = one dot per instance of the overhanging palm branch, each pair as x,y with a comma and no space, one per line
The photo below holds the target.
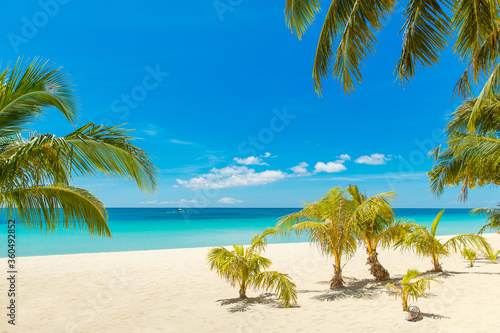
299,14
427,32
493,218
88,151
49,207
425,35
35,172
471,157
25,90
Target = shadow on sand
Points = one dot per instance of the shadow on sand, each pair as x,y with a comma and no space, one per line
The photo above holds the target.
244,304
366,288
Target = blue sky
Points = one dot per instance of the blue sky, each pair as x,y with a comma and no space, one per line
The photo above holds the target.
221,94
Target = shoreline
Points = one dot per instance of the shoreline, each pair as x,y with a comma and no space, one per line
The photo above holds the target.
173,290
486,234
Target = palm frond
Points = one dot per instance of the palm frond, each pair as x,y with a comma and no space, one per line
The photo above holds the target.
259,242
358,39
472,20
467,241
27,89
299,14
335,21
492,86
49,207
88,151
426,33
481,61
435,222
281,284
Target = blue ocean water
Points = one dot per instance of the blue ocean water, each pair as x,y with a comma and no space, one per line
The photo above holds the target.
137,229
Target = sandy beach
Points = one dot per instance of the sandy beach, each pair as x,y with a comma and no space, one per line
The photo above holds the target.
174,291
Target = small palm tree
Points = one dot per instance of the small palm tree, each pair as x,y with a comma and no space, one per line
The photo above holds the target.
329,224
470,255
377,226
410,290
491,254
246,267
425,243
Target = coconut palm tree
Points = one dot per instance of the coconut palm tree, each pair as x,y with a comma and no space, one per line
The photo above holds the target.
427,31
377,227
411,290
425,243
329,224
246,268
36,169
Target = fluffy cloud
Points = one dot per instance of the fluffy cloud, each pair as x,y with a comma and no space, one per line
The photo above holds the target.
232,176
266,155
345,157
227,200
373,159
251,160
301,168
329,167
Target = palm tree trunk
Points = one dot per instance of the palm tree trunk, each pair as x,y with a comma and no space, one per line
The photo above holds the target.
243,291
376,269
437,266
337,281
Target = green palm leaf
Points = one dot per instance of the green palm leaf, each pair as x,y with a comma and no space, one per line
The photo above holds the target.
299,14
49,207
358,39
426,33
88,151
280,283
27,89
35,172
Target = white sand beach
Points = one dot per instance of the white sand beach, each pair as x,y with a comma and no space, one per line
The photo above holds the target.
174,291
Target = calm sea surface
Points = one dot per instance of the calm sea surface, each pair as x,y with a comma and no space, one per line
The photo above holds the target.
137,229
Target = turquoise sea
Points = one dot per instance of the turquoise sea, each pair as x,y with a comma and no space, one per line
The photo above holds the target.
137,229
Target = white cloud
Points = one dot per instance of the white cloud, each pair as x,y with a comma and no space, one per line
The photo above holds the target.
250,160
329,167
232,176
266,155
182,201
180,142
227,200
345,157
373,159
301,168
151,132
